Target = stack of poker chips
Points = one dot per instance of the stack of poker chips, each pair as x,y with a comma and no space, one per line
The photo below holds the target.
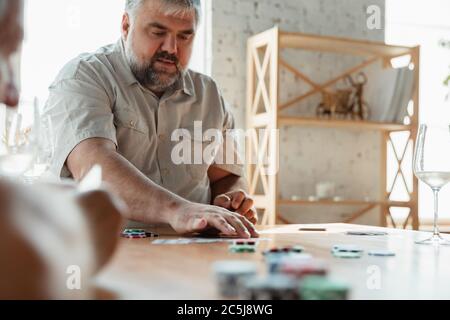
303,267
241,246
137,234
273,287
230,275
322,288
276,256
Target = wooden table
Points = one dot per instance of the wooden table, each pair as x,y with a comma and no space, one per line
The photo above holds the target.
141,270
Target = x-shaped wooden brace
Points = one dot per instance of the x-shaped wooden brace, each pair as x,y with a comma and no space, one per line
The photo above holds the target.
399,174
261,89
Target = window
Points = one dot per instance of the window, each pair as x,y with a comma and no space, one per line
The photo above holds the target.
426,23
57,31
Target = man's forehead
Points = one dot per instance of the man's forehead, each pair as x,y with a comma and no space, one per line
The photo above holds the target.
168,15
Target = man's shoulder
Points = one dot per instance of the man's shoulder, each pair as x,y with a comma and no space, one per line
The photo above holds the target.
201,81
88,65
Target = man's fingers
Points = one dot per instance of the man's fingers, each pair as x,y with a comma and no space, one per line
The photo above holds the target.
240,227
249,226
220,223
252,215
237,199
223,201
246,205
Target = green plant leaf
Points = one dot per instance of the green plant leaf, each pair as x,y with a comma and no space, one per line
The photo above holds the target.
447,81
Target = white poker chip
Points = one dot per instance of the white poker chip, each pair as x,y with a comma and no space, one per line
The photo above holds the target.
381,253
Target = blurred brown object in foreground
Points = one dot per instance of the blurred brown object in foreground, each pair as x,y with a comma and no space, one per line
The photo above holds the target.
45,231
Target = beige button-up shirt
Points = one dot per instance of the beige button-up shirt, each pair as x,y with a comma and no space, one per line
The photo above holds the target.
97,96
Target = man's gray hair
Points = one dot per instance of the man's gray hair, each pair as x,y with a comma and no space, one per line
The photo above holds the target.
183,6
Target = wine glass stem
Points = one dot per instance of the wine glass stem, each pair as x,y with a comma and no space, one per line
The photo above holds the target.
436,210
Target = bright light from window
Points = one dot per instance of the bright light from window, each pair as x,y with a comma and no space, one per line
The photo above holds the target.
426,23
57,31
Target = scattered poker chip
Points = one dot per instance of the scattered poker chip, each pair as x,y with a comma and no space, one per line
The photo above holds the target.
151,235
273,287
366,233
134,231
134,236
138,234
347,254
346,248
381,253
284,250
322,288
241,246
230,275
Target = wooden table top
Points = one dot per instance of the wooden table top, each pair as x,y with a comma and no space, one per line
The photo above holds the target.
142,270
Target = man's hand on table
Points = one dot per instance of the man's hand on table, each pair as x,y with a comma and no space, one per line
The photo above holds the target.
194,217
240,202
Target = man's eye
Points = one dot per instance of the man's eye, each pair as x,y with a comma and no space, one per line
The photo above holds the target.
159,34
184,37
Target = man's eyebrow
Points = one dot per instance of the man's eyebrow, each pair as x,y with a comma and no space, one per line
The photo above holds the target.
162,27
188,32
157,25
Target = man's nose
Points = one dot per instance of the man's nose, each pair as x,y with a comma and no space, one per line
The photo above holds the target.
170,44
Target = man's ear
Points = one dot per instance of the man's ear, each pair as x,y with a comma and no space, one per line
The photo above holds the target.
125,26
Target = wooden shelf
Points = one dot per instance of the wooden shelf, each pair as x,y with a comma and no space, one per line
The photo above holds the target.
264,110
343,202
347,124
340,45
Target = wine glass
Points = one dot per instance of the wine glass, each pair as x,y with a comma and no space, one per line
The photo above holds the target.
17,140
432,166
44,150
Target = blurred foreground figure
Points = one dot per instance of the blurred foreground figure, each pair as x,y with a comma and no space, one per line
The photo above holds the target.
53,238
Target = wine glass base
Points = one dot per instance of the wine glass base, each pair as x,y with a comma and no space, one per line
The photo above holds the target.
436,240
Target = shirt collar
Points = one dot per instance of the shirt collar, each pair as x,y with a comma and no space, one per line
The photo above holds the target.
184,84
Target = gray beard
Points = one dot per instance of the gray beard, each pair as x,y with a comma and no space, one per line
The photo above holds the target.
151,78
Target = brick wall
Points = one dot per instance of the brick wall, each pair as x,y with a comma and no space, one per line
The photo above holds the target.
314,154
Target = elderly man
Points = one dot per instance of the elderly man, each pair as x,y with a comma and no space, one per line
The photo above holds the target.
38,245
119,107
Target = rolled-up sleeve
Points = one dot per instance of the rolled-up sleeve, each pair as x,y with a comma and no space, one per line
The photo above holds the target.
79,108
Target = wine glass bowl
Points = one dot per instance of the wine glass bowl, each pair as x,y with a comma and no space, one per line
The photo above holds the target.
432,167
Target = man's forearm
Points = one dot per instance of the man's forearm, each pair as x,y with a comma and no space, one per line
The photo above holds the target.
147,201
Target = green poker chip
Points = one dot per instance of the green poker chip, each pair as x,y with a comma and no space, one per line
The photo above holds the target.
241,248
322,288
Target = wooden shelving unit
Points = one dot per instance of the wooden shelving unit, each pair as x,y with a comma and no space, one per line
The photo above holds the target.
264,63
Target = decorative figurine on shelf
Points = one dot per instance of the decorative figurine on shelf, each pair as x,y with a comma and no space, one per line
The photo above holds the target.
334,104
345,103
358,106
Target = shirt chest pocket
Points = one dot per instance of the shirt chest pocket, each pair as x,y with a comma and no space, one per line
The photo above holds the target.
130,120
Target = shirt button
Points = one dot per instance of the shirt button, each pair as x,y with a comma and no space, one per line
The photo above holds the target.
161,137
132,123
